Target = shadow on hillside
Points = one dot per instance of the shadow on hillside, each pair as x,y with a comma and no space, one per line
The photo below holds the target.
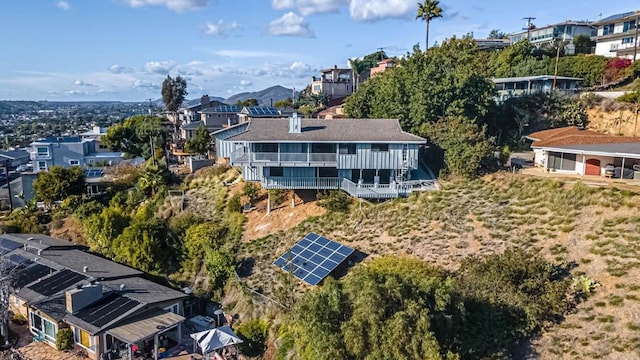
245,267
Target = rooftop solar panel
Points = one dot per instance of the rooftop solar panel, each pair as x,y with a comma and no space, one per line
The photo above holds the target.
57,282
7,245
31,273
109,308
313,257
93,173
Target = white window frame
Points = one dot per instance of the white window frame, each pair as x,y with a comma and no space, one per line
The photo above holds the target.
41,168
78,341
74,162
36,331
38,153
174,308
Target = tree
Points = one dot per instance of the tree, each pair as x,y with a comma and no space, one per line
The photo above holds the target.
58,183
200,142
197,240
247,102
284,103
134,136
427,11
633,98
152,178
583,44
357,68
497,34
174,92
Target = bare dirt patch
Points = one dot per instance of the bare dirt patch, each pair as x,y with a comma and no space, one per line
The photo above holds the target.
259,224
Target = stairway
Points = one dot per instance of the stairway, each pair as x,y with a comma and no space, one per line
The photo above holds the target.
405,165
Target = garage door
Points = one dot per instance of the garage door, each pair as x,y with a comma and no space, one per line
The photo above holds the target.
593,167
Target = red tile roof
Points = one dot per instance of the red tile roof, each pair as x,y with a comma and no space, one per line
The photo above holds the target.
572,135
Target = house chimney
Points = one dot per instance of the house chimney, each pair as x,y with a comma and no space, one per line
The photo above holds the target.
204,101
82,296
295,126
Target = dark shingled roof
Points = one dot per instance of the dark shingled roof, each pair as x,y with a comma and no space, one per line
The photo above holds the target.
618,149
97,267
315,130
143,290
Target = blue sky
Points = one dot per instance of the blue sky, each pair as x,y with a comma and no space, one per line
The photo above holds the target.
123,49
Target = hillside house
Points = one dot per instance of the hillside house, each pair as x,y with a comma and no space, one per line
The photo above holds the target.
617,35
518,86
573,150
334,83
67,151
110,308
550,34
227,115
96,133
383,65
190,113
370,158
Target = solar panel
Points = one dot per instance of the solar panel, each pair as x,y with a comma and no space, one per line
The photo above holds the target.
57,282
228,108
7,245
313,257
93,173
262,110
31,274
109,308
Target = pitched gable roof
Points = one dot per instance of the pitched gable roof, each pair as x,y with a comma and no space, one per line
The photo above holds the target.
572,136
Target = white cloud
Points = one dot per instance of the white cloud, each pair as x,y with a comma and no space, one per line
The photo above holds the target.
300,69
175,5
245,82
145,84
64,5
290,24
119,69
233,53
79,82
308,7
371,10
221,28
159,67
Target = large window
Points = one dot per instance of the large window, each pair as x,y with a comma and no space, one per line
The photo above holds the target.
379,147
608,29
323,148
266,148
83,338
324,172
347,149
42,326
628,25
627,40
562,161
276,171
42,151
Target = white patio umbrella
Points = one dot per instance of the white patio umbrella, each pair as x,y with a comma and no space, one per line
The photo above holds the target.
214,339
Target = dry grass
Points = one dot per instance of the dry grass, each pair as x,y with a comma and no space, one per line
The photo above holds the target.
595,227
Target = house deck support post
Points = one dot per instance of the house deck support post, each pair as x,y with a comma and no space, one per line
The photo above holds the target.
622,169
268,202
156,341
584,164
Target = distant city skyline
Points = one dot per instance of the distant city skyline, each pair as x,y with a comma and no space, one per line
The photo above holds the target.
123,49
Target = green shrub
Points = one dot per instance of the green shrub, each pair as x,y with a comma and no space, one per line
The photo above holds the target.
64,339
334,200
234,205
251,190
254,335
87,209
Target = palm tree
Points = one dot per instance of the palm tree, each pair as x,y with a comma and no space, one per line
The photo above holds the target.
357,67
427,11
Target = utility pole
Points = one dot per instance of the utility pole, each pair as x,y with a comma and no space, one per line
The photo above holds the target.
380,52
635,40
529,25
6,172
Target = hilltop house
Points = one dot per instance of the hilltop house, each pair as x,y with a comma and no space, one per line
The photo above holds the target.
96,134
69,151
370,158
335,83
190,113
109,307
616,34
227,115
518,86
574,150
550,34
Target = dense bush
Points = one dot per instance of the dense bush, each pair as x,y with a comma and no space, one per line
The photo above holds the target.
64,339
251,191
254,334
334,200
403,308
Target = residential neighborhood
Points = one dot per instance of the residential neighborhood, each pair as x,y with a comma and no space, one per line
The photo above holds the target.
352,195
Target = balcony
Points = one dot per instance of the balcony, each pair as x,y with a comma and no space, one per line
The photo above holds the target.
243,156
299,183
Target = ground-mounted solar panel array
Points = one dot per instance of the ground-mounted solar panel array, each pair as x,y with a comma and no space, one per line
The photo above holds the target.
313,257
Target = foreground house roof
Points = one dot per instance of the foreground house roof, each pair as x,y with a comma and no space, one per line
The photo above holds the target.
574,136
315,130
